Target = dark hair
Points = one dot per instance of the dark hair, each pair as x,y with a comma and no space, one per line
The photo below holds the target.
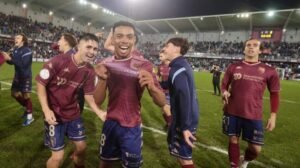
24,39
70,38
180,42
261,47
89,36
127,24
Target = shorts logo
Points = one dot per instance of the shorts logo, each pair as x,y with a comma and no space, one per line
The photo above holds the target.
237,76
44,74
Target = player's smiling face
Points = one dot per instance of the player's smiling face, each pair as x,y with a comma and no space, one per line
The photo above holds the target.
123,40
252,48
87,50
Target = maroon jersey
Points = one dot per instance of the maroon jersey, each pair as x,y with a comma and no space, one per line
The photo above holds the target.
246,84
62,78
163,74
124,89
137,53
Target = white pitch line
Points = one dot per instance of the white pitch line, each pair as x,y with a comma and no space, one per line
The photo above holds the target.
213,148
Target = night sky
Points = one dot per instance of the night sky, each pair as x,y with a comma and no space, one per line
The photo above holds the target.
158,9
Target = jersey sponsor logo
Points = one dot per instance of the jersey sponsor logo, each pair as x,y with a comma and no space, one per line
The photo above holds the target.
66,70
238,67
44,74
261,70
237,76
61,81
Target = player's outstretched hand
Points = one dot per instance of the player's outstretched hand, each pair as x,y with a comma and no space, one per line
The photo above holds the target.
50,117
101,71
188,137
146,79
5,56
225,95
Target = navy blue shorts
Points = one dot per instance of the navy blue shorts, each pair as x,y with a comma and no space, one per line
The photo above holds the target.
252,130
23,85
177,145
55,134
121,143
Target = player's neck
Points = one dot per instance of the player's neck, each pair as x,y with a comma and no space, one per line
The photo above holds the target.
251,59
78,59
67,49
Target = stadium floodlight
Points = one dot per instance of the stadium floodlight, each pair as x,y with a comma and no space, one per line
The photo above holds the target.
247,15
24,5
271,13
94,6
222,32
89,23
176,32
238,15
103,28
201,18
50,13
72,19
83,2
283,30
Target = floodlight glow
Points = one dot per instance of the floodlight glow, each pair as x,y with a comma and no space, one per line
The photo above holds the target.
176,32
83,2
238,15
247,15
72,19
222,32
89,23
201,18
270,13
283,30
94,6
102,28
50,13
24,5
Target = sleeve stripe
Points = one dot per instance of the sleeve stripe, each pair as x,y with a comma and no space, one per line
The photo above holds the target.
177,73
26,54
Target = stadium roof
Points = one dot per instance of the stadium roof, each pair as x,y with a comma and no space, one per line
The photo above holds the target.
170,16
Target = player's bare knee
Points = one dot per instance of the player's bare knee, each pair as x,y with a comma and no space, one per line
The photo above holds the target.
234,139
80,147
185,162
26,96
255,148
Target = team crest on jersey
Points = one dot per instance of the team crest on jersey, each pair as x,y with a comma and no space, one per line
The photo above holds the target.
261,70
237,76
238,67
